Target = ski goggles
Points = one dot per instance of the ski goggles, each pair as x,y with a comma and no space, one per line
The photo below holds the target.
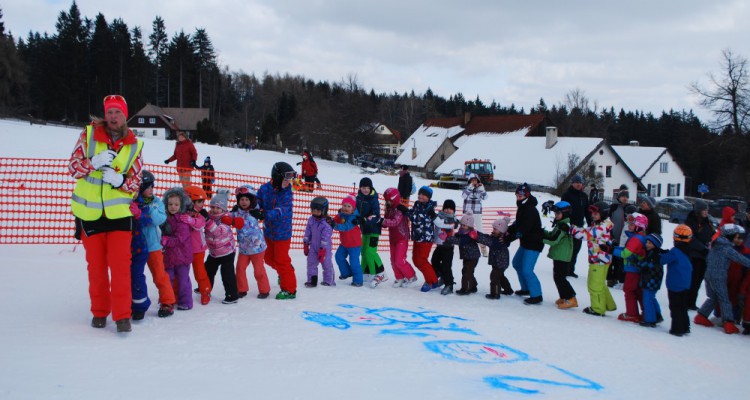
243,190
594,209
630,219
290,175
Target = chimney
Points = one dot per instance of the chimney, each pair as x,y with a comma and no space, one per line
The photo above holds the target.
467,117
551,137
634,143
413,153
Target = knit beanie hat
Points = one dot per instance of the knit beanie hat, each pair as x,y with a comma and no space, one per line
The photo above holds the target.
351,200
648,200
207,160
449,204
116,101
365,182
577,179
501,224
221,199
623,193
730,230
524,189
425,190
468,220
655,238
699,206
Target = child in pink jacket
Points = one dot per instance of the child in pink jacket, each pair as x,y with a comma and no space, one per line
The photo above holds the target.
178,250
398,236
220,240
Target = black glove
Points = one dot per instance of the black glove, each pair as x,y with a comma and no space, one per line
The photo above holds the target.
605,248
564,227
192,164
431,213
402,208
166,161
260,215
299,163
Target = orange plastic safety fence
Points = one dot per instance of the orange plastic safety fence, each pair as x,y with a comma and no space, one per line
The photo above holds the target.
35,199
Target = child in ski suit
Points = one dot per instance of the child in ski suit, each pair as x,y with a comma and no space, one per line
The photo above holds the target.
198,238
252,244
633,252
398,237
499,257
422,215
468,251
317,243
679,276
139,256
652,273
561,251
351,241
442,257
599,242
220,240
717,264
178,249
153,215
368,208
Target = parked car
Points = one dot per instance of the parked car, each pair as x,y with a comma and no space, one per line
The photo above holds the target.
665,207
679,217
738,203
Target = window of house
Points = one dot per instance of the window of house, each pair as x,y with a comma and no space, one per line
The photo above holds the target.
608,172
677,192
664,167
154,132
141,120
152,121
658,190
670,189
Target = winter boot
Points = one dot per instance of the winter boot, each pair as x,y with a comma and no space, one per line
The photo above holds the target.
522,293
746,328
590,311
494,292
398,282
378,279
701,320
242,294
448,289
647,324
99,322
123,325
730,328
284,295
166,310
533,300
559,301
262,295
659,318
409,281
138,315
313,282
492,296
628,318
570,303
205,298
229,300
463,292
183,307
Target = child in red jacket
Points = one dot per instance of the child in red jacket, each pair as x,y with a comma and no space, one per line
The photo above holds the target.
351,241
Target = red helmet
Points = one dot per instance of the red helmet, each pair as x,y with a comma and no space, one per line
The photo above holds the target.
392,195
195,193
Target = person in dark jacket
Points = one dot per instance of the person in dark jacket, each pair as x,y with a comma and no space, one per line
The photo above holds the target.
703,230
207,175
594,194
528,228
647,207
405,184
579,205
679,271
368,207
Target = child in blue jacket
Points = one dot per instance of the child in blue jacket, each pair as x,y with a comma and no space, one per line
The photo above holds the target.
679,275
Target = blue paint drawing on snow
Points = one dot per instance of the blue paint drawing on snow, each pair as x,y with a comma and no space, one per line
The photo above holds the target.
476,352
503,382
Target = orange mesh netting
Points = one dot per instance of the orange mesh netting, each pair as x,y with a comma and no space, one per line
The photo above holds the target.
35,200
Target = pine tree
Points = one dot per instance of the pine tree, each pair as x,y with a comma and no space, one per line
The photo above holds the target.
67,99
206,58
157,50
12,77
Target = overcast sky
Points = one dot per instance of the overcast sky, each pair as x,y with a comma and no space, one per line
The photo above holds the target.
627,54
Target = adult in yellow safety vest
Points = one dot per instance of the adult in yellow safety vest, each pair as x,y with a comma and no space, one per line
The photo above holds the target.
107,163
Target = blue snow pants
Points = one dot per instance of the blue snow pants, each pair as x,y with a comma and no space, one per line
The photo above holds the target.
352,267
524,262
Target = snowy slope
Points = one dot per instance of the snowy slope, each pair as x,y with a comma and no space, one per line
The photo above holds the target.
337,342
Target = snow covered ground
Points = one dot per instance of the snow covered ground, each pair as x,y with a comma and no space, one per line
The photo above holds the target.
333,342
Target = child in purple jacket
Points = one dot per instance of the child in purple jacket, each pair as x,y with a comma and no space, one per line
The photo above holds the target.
178,249
317,243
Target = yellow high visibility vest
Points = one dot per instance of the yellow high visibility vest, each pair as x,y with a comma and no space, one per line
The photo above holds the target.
91,196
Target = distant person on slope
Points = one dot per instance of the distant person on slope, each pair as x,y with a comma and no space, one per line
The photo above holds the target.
309,171
186,155
207,176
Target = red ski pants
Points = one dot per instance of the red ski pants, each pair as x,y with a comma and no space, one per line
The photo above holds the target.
420,255
108,253
161,278
259,271
277,257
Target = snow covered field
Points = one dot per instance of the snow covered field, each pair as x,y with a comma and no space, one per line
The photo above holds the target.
336,342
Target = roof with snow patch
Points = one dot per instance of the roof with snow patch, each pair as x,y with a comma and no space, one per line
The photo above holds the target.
426,139
639,159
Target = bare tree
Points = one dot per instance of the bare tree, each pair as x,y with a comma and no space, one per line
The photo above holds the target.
728,95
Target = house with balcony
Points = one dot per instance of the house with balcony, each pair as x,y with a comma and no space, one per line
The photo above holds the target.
164,122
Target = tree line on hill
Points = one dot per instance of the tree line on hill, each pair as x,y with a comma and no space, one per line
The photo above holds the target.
65,75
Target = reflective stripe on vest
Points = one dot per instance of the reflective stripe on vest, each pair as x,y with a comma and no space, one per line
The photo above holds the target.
92,197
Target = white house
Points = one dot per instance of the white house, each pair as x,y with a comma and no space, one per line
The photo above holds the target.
656,169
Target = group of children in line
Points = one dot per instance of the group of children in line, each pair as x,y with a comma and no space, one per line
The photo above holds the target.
185,230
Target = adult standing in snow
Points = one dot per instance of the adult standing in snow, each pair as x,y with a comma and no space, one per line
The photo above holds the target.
275,209
186,156
579,210
405,185
594,194
207,176
473,195
528,228
309,170
107,162
647,207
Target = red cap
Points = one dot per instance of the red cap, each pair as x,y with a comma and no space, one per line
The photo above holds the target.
116,101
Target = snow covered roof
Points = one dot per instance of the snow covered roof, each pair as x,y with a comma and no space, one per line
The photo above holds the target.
519,158
639,159
426,139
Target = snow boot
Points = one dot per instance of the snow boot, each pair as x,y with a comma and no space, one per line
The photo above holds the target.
570,303
166,310
409,281
746,328
429,286
559,301
522,293
398,282
138,315
313,282
647,324
355,284
378,279
491,296
730,328
463,292
447,289
659,318
229,300
242,294
123,325
701,320
262,295
99,322
205,298
533,300
183,307
284,295
590,311
628,318
507,292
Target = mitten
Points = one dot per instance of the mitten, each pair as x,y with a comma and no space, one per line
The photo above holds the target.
166,161
103,159
617,252
442,235
564,227
226,219
402,208
338,220
187,219
473,234
605,247
321,255
238,223
192,164
260,215
164,241
113,178
306,248
135,210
